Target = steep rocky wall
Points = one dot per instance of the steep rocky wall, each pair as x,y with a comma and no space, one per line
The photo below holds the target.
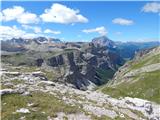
79,68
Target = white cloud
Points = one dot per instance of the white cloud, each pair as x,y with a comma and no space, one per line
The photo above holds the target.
18,13
101,30
151,7
7,32
10,32
12,13
122,21
27,18
59,13
34,28
52,31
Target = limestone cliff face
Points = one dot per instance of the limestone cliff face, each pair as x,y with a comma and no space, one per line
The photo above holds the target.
80,68
77,70
55,61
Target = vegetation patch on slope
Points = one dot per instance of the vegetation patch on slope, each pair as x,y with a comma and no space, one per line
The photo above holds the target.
146,61
43,105
105,74
145,86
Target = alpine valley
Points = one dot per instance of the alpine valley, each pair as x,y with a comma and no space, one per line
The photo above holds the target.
47,79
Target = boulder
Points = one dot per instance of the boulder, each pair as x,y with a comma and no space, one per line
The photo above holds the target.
23,110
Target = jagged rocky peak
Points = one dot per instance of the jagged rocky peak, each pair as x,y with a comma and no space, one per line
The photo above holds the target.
54,40
47,40
19,44
36,39
103,41
14,44
18,40
41,40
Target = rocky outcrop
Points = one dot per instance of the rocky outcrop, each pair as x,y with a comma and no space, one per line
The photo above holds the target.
6,91
39,61
11,91
55,61
77,70
80,68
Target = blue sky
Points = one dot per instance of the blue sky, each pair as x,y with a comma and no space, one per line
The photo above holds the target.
82,21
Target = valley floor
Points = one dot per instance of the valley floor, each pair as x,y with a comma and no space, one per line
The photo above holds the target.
28,95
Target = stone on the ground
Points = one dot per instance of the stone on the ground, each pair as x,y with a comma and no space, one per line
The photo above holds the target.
6,91
23,110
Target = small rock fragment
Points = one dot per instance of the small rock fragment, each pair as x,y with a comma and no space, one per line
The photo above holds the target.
23,110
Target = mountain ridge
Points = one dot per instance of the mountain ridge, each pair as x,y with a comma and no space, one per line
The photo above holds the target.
126,50
138,77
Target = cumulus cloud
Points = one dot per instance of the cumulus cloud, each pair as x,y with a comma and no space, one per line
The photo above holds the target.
101,30
18,13
27,18
122,21
52,31
34,28
10,32
7,32
12,13
59,13
153,7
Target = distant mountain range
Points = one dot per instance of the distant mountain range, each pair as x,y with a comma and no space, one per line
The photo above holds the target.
129,49
126,50
20,44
